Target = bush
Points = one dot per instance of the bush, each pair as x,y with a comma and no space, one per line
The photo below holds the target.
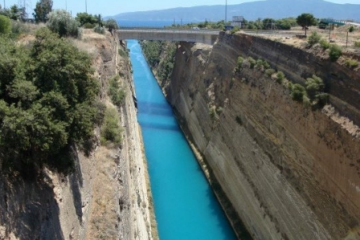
351,63
234,30
335,52
111,24
314,85
240,62
314,38
252,62
62,23
357,44
99,29
324,44
116,93
269,72
89,25
5,25
111,130
280,76
298,92
47,103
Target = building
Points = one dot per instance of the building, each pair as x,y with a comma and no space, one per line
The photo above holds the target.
238,21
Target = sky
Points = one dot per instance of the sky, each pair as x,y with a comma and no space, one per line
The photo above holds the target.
113,7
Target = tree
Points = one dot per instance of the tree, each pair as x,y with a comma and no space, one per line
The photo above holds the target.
268,23
42,9
85,18
306,20
5,25
62,23
47,103
111,24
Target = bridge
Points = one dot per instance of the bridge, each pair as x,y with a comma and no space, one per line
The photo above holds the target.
175,35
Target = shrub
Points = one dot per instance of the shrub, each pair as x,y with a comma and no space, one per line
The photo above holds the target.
351,28
111,24
99,29
280,76
269,72
335,52
116,93
5,25
314,38
111,130
62,23
357,44
89,25
240,62
314,85
298,92
47,103
252,62
324,44
238,120
351,63
234,30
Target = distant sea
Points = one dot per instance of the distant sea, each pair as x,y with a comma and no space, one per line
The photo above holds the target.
157,24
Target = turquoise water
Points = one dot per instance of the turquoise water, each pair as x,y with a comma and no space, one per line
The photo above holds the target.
185,206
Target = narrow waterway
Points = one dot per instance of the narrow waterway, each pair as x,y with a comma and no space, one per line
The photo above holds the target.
185,206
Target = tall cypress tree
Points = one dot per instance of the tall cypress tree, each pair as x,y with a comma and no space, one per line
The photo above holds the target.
42,9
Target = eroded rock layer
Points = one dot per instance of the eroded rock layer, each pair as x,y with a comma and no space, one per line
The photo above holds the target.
290,172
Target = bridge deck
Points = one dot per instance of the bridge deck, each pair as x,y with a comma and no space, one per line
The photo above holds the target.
202,36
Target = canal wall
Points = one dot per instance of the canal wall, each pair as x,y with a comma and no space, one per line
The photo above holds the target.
290,172
108,194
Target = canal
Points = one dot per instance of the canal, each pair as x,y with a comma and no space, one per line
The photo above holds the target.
185,206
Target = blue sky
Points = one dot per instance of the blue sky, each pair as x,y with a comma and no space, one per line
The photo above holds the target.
113,7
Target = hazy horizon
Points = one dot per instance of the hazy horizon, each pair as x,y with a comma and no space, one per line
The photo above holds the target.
113,7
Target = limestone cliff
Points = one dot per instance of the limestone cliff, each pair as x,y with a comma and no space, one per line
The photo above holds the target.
290,172
107,196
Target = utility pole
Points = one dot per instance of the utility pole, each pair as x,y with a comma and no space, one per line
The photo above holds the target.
86,6
225,12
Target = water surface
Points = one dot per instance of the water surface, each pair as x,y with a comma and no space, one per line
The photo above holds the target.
185,206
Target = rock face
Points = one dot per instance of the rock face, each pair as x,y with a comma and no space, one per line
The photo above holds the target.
107,196
290,172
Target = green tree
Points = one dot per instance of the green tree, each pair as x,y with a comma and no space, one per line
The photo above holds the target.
306,20
47,103
42,9
62,23
268,23
85,18
111,24
5,25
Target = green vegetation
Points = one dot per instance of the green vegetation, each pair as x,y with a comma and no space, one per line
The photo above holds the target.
238,120
111,130
116,93
269,72
298,92
306,20
61,22
280,76
315,90
335,52
351,29
111,24
314,38
324,44
99,29
5,25
351,63
234,30
252,62
240,62
154,51
42,9
89,20
47,104
357,44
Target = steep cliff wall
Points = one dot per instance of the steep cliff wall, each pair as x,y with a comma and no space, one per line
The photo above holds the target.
290,172
107,196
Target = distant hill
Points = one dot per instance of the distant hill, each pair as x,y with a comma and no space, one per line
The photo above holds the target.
251,11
